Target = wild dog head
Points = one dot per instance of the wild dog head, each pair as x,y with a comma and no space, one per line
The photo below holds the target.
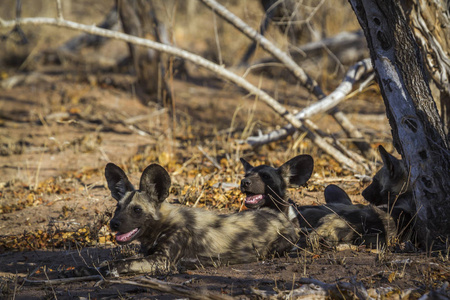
265,186
390,190
137,213
389,182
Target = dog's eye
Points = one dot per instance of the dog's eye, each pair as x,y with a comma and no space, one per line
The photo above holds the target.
137,210
265,176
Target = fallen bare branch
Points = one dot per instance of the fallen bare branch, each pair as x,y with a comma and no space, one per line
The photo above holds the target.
355,73
337,289
30,78
346,46
62,280
267,45
289,63
343,41
216,69
316,289
171,288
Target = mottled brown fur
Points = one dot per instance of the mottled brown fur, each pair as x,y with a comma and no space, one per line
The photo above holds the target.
357,224
169,233
339,221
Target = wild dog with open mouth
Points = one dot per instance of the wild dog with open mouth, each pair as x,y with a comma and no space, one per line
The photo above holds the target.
266,186
339,221
390,190
168,232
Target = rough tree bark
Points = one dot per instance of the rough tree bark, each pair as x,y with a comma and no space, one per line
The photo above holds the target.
138,19
417,130
430,21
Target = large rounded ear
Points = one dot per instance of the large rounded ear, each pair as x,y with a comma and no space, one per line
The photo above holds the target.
118,182
334,194
247,165
390,162
297,170
155,179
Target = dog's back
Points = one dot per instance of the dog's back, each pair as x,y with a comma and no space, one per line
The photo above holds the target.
230,238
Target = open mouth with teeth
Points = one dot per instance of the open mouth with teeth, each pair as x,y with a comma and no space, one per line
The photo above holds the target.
253,200
127,237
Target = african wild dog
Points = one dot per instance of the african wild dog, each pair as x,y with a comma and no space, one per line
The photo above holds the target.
390,181
352,223
169,233
339,221
266,186
390,190
334,194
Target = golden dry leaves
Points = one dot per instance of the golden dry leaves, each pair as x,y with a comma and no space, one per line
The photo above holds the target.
213,194
51,239
329,167
31,199
19,195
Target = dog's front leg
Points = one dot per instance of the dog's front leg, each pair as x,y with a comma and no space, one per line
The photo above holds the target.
162,260
151,265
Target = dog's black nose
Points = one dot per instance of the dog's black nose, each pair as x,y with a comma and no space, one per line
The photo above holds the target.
114,224
245,183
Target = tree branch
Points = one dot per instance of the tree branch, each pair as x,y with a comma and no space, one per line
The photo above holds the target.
198,60
354,74
309,83
289,63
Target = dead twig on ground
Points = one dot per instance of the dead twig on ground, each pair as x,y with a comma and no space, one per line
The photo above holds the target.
50,282
316,289
171,288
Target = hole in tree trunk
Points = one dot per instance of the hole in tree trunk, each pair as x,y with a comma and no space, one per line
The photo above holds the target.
427,182
423,154
411,124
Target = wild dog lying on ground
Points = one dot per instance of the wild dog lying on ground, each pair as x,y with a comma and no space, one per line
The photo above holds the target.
351,223
390,190
339,221
391,196
168,232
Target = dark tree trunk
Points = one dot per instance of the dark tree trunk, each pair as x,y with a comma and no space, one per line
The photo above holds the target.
430,23
417,129
138,19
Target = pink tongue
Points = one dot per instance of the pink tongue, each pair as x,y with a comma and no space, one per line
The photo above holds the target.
125,237
254,199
